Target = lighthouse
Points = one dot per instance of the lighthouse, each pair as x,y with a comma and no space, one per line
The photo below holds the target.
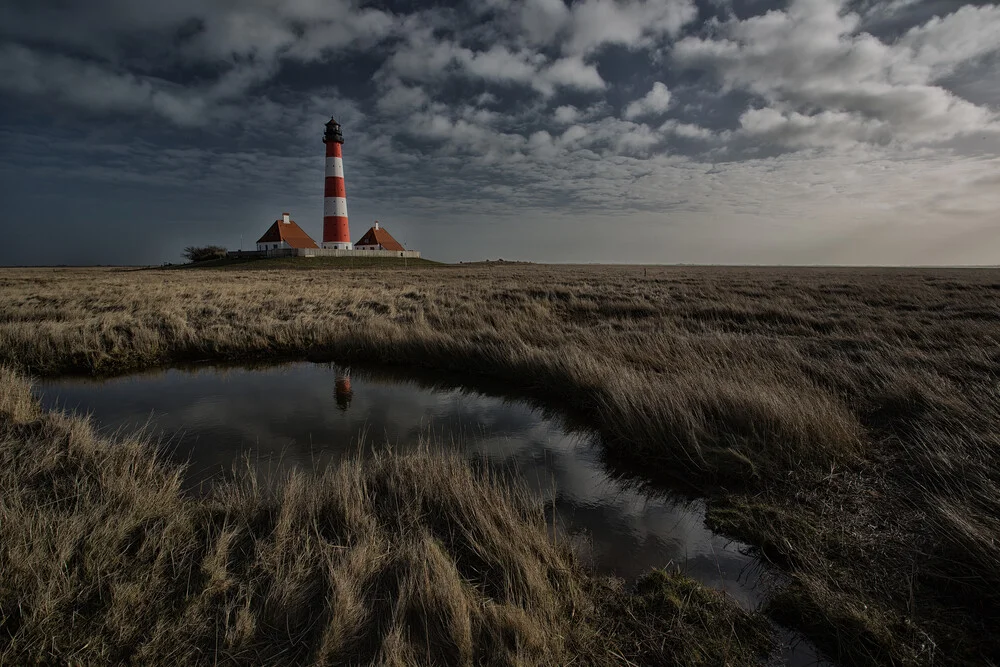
336,234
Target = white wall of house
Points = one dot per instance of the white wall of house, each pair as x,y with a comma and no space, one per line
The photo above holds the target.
369,247
280,245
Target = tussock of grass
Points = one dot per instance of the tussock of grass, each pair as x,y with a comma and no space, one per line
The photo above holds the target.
676,614
16,402
870,635
843,420
402,560
725,427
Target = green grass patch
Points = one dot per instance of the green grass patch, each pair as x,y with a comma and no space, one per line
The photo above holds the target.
307,263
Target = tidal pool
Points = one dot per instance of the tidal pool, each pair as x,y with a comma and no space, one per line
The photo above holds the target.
309,415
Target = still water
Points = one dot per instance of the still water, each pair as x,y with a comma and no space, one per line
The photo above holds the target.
310,415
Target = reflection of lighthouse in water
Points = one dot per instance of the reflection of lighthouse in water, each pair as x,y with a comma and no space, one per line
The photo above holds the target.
342,388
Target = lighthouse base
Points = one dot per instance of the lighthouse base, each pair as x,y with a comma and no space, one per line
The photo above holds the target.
331,245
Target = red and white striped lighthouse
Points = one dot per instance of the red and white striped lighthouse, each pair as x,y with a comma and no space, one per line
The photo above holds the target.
336,235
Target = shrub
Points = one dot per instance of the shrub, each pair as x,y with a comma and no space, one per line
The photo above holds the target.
200,254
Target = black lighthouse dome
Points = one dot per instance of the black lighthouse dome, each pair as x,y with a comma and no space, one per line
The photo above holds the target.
333,132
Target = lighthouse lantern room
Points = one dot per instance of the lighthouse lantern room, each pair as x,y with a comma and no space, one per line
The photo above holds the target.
336,234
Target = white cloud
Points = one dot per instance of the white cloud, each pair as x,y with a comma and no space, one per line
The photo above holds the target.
397,98
542,146
831,83
424,57
486,98
877,10
541,20
594,23
686,130
421,57
471,133
820,129
566,114
637,140
656,101
216,30
573,135
570,72
584,27
498,64
943,43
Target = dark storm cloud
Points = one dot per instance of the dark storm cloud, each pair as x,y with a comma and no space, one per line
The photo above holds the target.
723,130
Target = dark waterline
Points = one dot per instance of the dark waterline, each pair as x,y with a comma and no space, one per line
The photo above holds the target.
305,415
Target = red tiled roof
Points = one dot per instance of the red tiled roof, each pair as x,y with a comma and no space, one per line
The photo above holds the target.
290,233
380,237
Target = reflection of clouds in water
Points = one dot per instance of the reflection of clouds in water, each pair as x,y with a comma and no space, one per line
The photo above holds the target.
627,532
288,416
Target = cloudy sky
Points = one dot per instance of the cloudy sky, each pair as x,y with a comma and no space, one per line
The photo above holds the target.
698,131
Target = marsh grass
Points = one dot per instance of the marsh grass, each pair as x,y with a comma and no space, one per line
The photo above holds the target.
842,420
401,560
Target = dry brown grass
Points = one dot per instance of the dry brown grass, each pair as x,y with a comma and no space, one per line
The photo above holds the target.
843,420
724,406
402,560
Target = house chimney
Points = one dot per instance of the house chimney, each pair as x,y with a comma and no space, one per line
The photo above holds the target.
376,224
284,218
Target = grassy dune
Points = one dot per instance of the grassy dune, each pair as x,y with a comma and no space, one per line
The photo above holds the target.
402,560
312,263
845,421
